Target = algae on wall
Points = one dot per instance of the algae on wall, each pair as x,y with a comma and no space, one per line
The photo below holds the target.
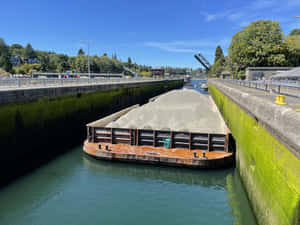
52,124
270,172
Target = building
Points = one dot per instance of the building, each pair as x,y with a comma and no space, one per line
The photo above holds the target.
225,74
292,75
257,73
158,72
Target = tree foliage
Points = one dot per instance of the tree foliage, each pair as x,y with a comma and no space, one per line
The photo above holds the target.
29,52
219,54
80,52
219,64
295,32
259,44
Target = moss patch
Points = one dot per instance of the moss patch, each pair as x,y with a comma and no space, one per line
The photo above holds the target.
270,172
52,124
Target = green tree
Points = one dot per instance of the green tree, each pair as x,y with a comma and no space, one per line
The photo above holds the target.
80,52
259,44
3,48
29,52
81,64
219,54
129,62
62,63
5,62
292,45
45,61
295,32
16,50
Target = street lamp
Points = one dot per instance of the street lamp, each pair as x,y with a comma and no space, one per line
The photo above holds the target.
88,44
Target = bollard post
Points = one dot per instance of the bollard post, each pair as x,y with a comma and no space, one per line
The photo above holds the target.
278,89
280,100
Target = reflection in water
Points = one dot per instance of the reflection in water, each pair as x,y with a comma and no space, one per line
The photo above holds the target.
217,179
205,178
77,189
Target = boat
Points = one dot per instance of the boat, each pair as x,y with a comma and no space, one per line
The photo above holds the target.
173,129
204,87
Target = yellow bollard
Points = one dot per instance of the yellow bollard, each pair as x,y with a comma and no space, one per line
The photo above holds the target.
280,100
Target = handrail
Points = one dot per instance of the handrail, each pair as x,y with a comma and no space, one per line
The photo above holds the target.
283,88
13,83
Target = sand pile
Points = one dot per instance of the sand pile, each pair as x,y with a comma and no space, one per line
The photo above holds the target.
179,110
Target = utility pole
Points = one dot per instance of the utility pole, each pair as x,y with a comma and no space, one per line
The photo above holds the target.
88,45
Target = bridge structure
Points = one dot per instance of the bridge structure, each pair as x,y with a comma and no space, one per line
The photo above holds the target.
203,61
135,74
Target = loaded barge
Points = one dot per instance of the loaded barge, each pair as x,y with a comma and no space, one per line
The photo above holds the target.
180,128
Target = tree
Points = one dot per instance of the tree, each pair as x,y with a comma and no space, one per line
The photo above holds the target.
259,44
80,52
3,47
45,61
295,32
29,52
5,62
219,54
16,50
292,45
62,63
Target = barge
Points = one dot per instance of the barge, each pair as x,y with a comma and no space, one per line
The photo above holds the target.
181,128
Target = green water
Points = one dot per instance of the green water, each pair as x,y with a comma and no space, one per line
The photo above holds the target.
76,189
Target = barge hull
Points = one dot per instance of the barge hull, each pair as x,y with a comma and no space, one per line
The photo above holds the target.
175,158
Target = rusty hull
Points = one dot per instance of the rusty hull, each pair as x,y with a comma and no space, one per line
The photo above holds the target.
178,157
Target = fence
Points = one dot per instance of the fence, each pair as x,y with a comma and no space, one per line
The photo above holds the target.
158,138
51,82
283,88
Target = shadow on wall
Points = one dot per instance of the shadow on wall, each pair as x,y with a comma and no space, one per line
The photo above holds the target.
32,133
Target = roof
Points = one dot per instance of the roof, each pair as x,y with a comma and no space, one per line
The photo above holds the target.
269,68
294,73
157,68
225,72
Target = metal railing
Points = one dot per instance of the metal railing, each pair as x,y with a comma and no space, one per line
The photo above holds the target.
283,88
13,83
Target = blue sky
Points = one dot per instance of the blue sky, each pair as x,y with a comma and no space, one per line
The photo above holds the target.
156,32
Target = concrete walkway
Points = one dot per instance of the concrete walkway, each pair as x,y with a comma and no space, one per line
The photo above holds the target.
292,102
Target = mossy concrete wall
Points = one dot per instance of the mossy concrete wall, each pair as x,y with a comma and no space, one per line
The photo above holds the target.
46,126
270,170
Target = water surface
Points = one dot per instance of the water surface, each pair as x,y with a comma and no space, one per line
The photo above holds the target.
76,189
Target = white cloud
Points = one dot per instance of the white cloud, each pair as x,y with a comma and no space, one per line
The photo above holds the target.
187,46
258,9
169,47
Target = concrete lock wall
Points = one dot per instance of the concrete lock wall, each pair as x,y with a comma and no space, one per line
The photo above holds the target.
269,167
37,127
